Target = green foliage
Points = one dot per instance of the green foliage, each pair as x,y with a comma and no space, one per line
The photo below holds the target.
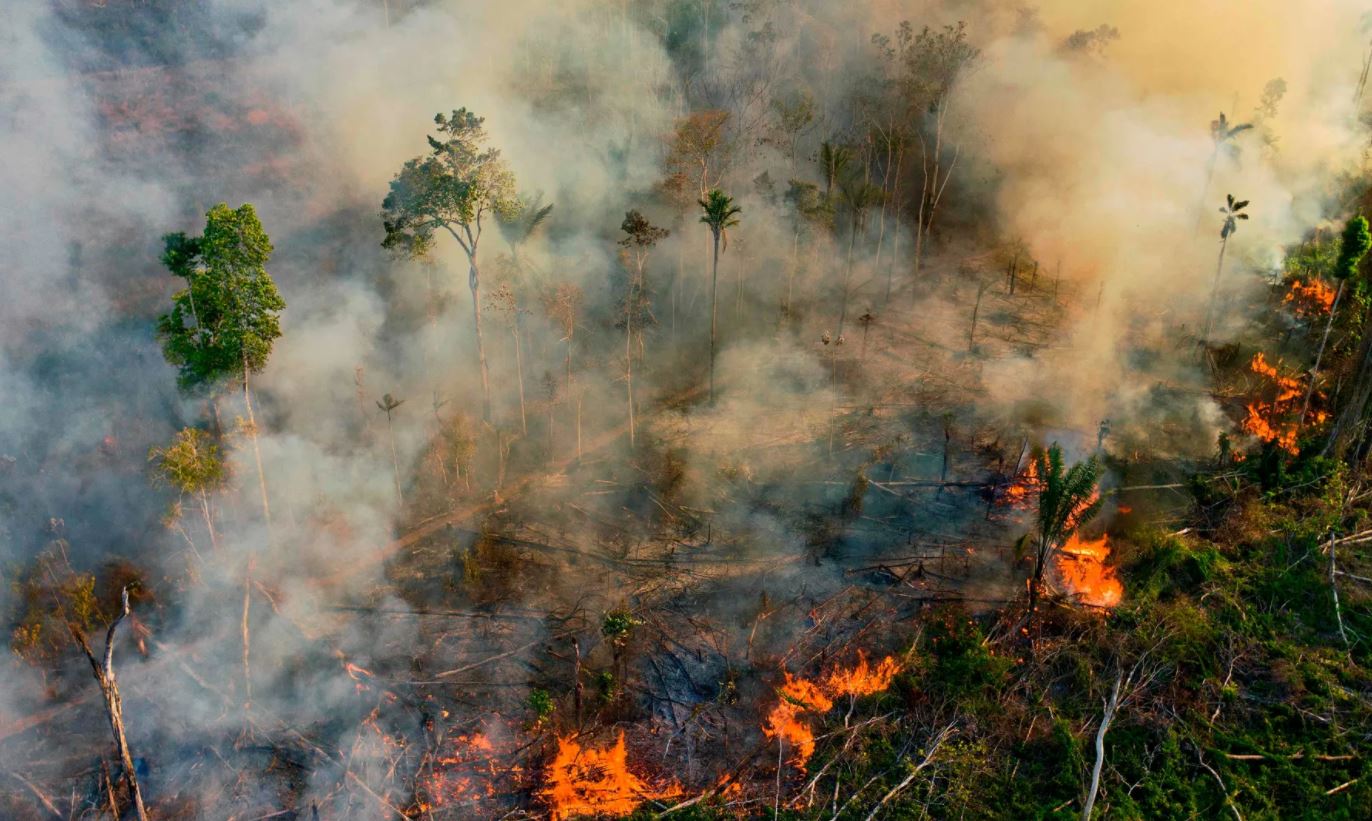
192,463
618,626
454,188
720,213
1165,566
962,665
540,703
1353,247
226,320
51,598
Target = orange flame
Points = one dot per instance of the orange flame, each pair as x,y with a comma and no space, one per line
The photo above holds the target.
799,696
1081,565
1024,485
1312,299
1269,420
586,781
467,774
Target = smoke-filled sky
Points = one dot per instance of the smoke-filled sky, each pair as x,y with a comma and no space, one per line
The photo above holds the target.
1092,152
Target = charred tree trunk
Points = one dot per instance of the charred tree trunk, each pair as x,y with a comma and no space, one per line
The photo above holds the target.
714,288
474,282
114,706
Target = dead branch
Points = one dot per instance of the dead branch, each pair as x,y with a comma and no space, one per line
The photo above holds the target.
928,759
37,794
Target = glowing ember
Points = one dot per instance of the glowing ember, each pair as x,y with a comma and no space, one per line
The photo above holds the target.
358,674
799,696
467,774
1081,565
1270,420
585,781
1310,299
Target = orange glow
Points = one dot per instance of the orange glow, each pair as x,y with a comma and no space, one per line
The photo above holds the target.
1024,485
1081,565
467,774
1270,420
1310,299
863,680
788,722
586,781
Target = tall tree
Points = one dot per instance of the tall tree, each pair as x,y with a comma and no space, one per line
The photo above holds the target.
226,320
388,404
935,61
1354,246
1068,498
640,237
1233,212
193,465
720,214
454,188
1223,135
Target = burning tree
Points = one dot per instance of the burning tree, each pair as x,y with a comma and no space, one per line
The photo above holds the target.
454,188
1068,498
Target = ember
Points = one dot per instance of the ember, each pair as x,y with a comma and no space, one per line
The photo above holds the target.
585,781
1021,490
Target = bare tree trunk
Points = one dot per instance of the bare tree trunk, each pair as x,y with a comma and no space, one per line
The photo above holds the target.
976,309
114,706
1111,706
474,282
209,519
714,287
1214,292
847,273
247,634
519,374
395,459
256,450
1334,588
629,364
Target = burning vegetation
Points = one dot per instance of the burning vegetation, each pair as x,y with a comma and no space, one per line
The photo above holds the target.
716,410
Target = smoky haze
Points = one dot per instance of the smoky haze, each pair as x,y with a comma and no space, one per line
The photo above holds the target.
1089,154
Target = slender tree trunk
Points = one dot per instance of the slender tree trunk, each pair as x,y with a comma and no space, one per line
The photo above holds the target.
256,449
895,198
1319,354
1106,718
395,459
1349,424
519,374
209,519
1214,292
245,629
847,274
976,309
474,282
714,287
629,363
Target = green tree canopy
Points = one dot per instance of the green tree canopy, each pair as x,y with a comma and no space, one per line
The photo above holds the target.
454,188
226,319
1356,240
192,463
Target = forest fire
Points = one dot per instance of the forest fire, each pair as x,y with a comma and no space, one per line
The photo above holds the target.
587,781
1270,420
1313,298
466,775
1084,573
1024,486
798,696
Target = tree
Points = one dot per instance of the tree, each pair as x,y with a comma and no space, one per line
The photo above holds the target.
522,221
934,63
193,465
809,209
1068,498
1232,212
562,304
720,213
506,304
859,196
454,188
226,320
640,237
1354,245
1223,135
114,705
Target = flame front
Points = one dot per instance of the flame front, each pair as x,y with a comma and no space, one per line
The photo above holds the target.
1081,565
1270,420
1314,298
586,781
1024,486
787,721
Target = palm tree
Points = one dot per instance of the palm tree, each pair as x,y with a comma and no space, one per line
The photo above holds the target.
720,213
1222,134
833,159
1232,212
1067,500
